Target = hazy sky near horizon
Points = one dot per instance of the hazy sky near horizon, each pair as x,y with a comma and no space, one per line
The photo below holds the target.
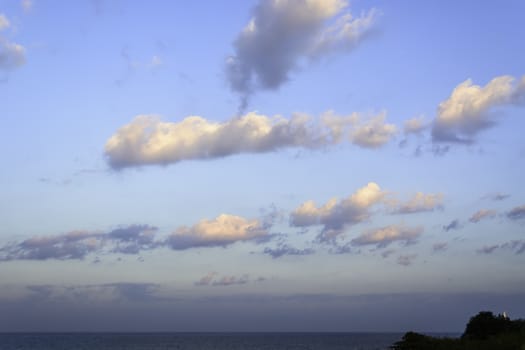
261,165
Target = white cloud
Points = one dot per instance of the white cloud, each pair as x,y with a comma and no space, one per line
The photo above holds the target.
335,215
12,55
27,5
221,231
467,111
415,125
281,33
420,202
4,22
482,214
373,133
156,61
148,140
384,236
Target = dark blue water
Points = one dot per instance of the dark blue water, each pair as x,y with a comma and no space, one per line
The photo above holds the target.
198,341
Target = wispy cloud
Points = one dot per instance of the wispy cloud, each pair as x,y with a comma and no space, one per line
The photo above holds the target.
213,279
439,247
384,236
282,33
453,225
496,196
517,246
482,214
78,244
4,22
420,202
406,260
488,249
27,5
285,249
468,109
415,125
147,140
517,213
12,55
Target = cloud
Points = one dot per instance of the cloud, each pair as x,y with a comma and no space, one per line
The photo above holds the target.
454,225
406,260
468,109
518,246
488,249
155,62
12,55
420,202
439,247
282,33
78,244
385,254
482,214
147,140
384,236
133,291
373,133
206,279
212,279
231,280
496,196
415,125
27,5
335,215
285,249
517,213
219,232
4,22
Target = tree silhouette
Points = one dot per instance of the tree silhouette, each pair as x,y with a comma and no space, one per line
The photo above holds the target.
485,324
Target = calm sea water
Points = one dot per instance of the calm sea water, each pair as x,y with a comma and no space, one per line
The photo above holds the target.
198,341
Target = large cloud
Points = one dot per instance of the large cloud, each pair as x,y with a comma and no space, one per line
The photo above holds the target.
148,140
12,55
335,215
384,236
78,244
221,231
281,33
468,109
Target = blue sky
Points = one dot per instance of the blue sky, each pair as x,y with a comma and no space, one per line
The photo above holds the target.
260,165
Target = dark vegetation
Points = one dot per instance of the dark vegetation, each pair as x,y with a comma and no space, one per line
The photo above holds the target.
485,331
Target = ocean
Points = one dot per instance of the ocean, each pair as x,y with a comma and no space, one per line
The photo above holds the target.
198,341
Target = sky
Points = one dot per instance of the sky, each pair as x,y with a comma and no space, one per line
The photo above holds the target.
261,165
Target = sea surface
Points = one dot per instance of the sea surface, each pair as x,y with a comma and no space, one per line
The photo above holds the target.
198,341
